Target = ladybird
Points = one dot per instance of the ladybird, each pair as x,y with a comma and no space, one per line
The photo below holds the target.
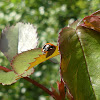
48,47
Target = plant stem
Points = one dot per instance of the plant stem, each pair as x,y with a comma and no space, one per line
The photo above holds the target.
40,86
31,81
4,69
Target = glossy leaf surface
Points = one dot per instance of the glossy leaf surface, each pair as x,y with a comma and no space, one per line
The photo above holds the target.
92,22
80,62
9,42
18,38
90,42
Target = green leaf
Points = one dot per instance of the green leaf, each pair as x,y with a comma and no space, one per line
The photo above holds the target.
9,41
7,78
12,77
74,66
50,54
74,24
28,73
22,61
18,38
27,60
90,42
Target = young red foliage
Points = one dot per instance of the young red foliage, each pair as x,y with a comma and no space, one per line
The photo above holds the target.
92,22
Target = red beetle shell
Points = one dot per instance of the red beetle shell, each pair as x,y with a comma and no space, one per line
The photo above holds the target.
48,47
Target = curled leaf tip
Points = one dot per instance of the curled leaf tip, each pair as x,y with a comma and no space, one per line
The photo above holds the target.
92,22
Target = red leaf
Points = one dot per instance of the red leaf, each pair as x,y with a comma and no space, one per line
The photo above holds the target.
61,89
92,22
56,95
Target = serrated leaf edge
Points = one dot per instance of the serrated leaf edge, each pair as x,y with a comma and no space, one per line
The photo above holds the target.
32,64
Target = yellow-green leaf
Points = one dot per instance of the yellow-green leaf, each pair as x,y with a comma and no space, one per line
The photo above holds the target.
26,60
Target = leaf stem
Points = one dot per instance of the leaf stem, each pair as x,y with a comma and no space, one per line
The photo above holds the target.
4,69
32,81
40,86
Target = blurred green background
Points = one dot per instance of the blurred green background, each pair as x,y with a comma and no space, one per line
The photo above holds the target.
49,16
